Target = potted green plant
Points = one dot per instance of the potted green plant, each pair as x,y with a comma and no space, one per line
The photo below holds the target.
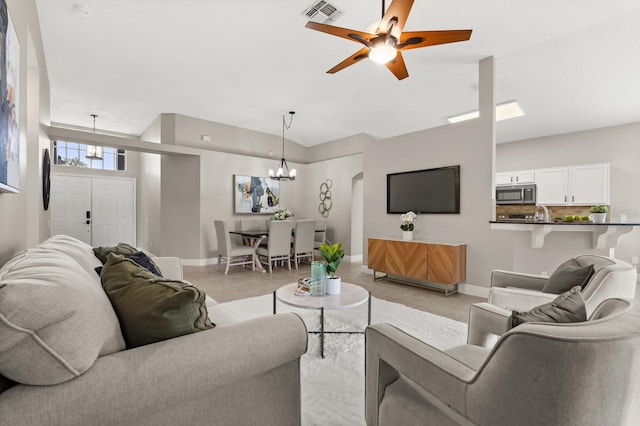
333,255
598,213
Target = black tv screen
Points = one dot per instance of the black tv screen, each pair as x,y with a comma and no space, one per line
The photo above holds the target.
424,191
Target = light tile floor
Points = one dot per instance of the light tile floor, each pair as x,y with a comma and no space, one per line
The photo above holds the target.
241,283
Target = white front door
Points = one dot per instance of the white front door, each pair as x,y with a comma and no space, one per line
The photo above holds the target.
113,211
71,206
97,210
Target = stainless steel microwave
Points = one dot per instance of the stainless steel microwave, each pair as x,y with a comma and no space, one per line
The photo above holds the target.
516,194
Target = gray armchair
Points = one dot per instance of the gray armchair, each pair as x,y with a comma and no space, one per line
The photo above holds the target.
517,291
554,374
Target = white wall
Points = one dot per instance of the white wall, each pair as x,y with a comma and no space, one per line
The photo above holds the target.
339,222
617,145
469,144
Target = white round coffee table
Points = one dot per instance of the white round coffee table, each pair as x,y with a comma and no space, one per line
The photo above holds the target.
350,296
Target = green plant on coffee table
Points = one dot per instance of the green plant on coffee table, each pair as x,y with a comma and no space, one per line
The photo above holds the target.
599,209
333,255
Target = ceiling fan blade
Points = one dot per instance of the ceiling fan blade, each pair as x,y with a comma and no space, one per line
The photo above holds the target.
353,35
398,9
397,67
415,39
356,57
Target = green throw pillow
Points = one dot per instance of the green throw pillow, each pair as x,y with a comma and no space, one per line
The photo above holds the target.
568,307
122,248
151,308
567,276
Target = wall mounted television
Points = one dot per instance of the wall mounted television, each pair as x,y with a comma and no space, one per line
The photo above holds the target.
430,191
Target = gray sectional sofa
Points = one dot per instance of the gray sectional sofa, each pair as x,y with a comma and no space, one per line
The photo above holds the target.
63,359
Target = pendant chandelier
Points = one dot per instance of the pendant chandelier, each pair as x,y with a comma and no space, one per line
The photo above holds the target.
283,172
94,152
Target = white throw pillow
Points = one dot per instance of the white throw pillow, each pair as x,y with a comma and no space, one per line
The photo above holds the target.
55,319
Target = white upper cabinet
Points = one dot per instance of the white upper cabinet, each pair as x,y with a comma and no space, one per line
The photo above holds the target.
589,184
514,178
551,186
575,185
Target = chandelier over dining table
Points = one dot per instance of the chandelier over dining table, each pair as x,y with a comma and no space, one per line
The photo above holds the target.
283,172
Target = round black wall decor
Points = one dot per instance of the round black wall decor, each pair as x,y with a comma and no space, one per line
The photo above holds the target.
46,178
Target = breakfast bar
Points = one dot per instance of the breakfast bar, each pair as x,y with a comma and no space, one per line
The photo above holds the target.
605,235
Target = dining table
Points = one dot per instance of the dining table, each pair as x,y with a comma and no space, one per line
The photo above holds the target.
254,237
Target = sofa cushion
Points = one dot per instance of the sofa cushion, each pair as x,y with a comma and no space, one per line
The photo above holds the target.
568,307
55,319
122,249
567,276
151,308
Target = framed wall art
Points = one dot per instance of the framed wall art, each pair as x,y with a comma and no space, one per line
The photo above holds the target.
255,195
9,103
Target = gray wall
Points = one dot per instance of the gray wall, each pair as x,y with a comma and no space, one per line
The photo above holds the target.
617,145
148,215
24,221
469,144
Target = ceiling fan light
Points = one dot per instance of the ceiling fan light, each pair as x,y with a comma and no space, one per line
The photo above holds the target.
382,54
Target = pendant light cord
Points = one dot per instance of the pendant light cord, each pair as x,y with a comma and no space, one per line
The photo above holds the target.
285,126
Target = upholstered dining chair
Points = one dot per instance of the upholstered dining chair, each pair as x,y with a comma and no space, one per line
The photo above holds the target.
569,374
230,254
303,240
279,245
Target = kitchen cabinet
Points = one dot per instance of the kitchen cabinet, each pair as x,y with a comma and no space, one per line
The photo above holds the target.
433,262
516,177
576,185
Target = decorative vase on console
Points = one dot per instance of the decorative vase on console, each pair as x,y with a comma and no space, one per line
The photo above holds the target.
407,225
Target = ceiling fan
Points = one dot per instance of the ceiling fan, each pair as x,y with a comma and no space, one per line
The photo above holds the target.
386,44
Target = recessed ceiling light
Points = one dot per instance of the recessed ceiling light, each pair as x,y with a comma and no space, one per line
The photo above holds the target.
504,111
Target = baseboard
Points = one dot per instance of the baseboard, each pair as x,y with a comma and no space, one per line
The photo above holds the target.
463,288
352,259
199,262
474,290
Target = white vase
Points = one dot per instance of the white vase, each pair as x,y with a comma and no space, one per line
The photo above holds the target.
598,217
407,235
333,285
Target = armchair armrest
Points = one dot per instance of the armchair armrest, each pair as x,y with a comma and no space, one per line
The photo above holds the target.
485,320
158,380
516,299
171,267
391,353
501,278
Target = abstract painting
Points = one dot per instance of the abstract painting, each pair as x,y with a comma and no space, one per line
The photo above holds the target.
255,195
9,103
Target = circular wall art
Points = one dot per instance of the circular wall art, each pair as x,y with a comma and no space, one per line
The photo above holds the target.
46,178
325,198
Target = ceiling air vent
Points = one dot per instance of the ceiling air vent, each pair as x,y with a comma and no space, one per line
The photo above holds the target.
322,11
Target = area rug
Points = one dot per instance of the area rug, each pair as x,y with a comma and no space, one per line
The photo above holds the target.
333,387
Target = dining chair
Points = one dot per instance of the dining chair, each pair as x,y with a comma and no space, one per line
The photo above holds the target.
320,236
279,245
230,254
303,240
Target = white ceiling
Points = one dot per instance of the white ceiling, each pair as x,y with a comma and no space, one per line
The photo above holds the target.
572,64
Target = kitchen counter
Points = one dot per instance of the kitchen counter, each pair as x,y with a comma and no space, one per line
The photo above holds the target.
575,223
605,235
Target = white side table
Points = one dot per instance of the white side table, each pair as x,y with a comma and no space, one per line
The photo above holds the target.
350,296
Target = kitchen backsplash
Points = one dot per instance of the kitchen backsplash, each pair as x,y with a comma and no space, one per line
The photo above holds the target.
554,211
